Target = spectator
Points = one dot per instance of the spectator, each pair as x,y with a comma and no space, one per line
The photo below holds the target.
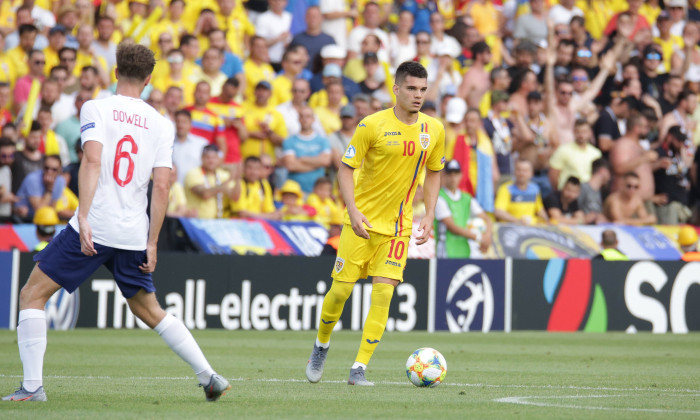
236,24
590,201
257,67
66,57
209,188
626,206
255,200
19,55
40,188
189,45
340,140
232,114
609,244
474,151
274,27
628,155
177,200
672,186
51,143
7,198
574,159
70,171
23,16
520,201
476,81
30,159
292,65
688,241
562,206
672,88
290,110
232,65
86,55
205,122
103,45
175,77
23,86
306,155
321,199
682,115
187,147
499,129
172,101
402,43
607,128
329,111
372,19
524,82
361,102
313,38
440,41
69,129
532,26
453,212
652,81
333,54
45,220
57,40
292,209
265,125
562,13
210,72
5,102
335,19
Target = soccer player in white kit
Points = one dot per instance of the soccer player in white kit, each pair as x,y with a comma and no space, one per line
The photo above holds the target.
124,141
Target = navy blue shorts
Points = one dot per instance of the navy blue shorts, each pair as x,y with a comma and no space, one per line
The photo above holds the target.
65,264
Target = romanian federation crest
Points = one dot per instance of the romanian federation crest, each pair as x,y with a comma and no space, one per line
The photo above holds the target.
424,140
339,263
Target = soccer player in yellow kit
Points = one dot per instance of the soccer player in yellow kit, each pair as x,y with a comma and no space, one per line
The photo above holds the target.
390,149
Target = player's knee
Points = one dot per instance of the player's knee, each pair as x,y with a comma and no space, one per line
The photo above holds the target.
340,291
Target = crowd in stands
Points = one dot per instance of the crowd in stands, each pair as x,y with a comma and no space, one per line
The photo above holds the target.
558,111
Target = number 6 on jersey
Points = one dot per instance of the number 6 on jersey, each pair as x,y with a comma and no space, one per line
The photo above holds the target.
123,154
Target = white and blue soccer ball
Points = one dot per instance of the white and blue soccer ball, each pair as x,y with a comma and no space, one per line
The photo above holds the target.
426,367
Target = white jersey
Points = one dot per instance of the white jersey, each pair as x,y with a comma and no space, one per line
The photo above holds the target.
135,139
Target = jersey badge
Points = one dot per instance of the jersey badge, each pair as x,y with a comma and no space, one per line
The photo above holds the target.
87,126
424,140
339,263
350,153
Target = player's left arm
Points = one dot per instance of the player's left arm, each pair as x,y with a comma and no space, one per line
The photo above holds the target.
159,204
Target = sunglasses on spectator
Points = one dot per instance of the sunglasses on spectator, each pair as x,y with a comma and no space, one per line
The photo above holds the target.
580,78
653,56
584,54
422,41
7,155
175,59
632,187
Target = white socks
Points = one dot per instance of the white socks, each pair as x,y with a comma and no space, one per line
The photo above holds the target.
359,365
323,345
31,340
180,340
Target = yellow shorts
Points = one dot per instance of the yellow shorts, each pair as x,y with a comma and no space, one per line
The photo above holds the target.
380,255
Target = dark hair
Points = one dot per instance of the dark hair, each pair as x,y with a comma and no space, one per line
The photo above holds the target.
10,125
184,112
581,121
34,51
186,39
322,180
92,69
5,142
59,67
598,164
578,19
232,81
609,237
634,119
100,18
410,68
566,43
252,159
573,181
216,30
57,157
134,61
35,126
480,47
684,94
27,27
210,148
44,108
519,78
64,49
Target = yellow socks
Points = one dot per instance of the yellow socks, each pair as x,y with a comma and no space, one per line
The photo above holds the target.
332,308
376,320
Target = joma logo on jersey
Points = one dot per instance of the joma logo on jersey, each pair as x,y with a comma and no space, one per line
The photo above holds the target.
392,133
394,263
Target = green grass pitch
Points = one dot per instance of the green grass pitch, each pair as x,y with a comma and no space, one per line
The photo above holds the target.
122,374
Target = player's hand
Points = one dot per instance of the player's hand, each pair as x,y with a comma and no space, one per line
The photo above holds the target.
425,227
87,247
357,221
151,259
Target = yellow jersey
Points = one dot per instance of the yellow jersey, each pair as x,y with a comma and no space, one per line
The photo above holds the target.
390,155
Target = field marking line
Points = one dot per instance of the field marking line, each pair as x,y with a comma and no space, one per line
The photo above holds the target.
527,401
450,384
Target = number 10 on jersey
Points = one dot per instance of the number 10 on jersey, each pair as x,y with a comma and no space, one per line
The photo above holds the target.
119,158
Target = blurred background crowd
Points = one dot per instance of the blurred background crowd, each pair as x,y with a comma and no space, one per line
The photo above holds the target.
566,112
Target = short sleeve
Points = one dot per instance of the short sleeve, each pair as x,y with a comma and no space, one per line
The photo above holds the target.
193,178
278,124
91,125
359,145
556,161
442,210
502,198
164,153
288,146
475,207
436,159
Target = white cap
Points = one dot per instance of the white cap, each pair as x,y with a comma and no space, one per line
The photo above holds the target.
456,109
447,49
333,51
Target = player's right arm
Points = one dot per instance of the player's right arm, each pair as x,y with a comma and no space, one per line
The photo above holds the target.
88,176
354,155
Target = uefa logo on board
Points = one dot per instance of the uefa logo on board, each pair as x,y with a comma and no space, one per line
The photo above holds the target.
62,310
470,290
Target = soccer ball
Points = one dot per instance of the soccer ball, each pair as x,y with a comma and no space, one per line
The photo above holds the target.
426,367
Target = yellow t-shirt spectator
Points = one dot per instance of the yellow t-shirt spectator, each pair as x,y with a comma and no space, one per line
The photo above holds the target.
254,115
213,207
325,209
256,197
254,74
